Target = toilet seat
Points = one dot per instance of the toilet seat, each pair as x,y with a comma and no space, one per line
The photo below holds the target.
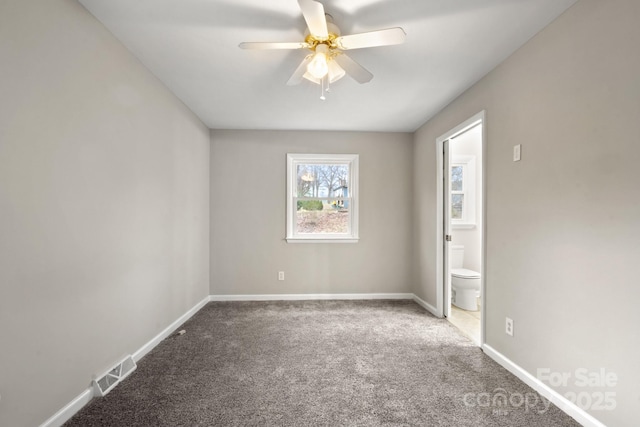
464,273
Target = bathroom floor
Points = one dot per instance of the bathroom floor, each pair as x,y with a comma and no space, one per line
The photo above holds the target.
467,321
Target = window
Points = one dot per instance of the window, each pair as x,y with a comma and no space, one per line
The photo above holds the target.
463,186
322,197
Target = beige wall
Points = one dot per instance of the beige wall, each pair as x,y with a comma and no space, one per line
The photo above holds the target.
248,170
563,224
103,206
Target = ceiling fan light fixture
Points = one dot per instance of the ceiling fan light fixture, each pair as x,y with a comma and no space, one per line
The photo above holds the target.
334,73
319,67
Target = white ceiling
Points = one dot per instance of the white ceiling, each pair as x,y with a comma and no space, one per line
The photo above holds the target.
192,46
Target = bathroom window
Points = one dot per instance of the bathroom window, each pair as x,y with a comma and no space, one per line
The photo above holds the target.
322,198
463,187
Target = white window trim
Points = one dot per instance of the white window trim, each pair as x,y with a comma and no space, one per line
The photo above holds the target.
292,162
468,220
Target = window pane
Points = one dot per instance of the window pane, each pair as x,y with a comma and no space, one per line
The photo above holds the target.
457,204
321,216
322,180
322,199
456,178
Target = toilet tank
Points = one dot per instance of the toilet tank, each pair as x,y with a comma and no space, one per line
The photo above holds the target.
456,256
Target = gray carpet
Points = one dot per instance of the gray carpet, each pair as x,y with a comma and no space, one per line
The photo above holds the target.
319,363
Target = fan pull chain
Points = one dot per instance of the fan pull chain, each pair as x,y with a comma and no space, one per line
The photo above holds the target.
322,89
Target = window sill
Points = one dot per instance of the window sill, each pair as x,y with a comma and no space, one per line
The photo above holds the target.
322,240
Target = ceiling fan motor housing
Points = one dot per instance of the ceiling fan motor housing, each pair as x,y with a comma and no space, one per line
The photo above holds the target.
334,33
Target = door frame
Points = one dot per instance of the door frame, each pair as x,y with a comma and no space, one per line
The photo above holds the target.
442,282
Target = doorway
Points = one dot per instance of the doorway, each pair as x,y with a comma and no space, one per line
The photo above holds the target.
461,226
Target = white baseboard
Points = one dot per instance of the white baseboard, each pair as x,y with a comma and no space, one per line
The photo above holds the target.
571,409
301,297
431,309
168,330
64,414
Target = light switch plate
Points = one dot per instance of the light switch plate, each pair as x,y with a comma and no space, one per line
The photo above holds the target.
516,152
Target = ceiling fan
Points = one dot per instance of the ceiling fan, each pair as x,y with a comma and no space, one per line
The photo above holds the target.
327,61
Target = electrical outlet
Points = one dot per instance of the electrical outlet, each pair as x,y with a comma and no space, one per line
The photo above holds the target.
280,275
516,152
509,326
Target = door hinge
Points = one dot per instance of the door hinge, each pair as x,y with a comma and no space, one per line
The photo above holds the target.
447,237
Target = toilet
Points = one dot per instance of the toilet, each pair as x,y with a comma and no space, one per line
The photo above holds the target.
465,284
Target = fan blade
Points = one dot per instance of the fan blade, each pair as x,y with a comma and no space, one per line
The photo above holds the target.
296,77
270,45
386,37
355,70
313,13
